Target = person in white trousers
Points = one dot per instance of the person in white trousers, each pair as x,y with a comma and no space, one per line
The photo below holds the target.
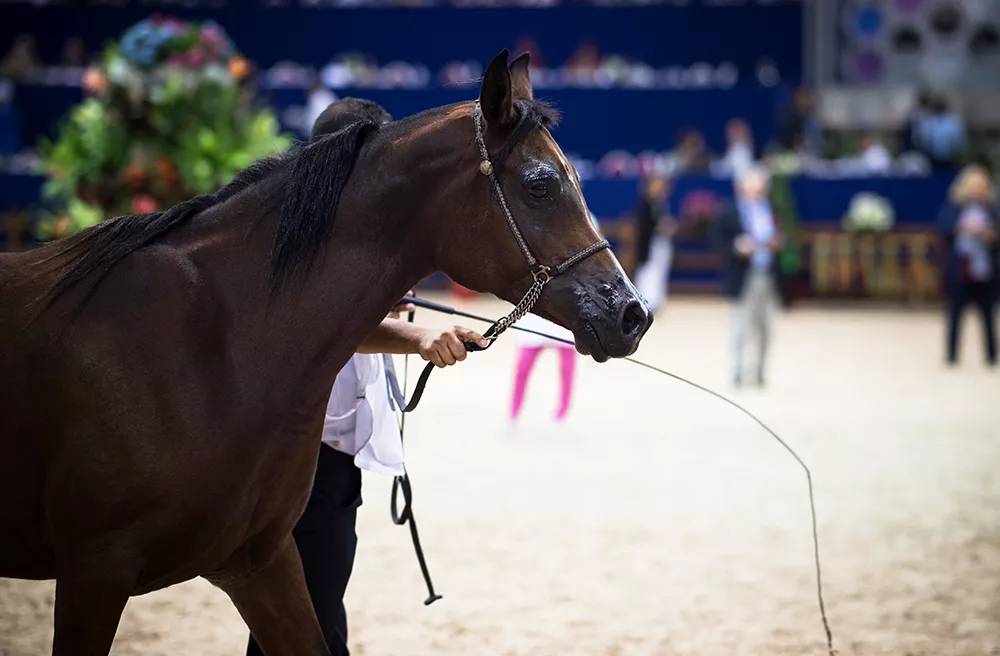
748,238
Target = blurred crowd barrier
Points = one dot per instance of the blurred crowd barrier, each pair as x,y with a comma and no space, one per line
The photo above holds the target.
899,264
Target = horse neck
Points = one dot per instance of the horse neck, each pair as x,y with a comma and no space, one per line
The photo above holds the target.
287,344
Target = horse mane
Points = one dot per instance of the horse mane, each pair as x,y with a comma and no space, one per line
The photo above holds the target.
319,172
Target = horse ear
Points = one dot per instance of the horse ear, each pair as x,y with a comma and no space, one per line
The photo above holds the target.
520,80
495,97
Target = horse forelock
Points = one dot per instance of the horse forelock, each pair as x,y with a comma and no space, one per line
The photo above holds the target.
531,115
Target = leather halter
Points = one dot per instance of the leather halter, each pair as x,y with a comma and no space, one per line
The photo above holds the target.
541,274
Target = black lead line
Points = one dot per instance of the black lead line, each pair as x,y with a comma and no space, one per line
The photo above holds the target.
445,309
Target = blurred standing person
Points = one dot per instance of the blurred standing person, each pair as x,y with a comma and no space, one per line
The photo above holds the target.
748,240
739,155
318,100
691,154
799,129
939,133
970,224
529,347
654,250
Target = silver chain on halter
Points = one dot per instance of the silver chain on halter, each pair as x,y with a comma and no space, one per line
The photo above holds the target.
540,273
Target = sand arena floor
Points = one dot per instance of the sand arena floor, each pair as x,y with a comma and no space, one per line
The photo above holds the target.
658,521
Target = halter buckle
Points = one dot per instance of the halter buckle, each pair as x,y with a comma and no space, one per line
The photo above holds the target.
541,273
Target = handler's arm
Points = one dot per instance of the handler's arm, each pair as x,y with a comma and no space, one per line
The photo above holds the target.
442,347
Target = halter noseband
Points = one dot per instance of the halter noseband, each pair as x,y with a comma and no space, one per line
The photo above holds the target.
541,274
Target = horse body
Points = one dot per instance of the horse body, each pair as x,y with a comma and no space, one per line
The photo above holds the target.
226,429
163,421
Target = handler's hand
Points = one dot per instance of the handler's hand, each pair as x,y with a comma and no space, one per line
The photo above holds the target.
401,307
445,348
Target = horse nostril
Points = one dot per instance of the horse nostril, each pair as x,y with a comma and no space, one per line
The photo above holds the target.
634,318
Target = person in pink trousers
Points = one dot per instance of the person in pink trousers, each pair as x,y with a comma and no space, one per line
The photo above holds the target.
529,347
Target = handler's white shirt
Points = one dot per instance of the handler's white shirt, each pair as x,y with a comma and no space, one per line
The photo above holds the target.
360,420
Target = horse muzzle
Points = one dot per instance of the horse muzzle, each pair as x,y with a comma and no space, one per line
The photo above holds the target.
613,319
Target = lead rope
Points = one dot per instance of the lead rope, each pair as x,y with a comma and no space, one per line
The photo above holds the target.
403,483
437,307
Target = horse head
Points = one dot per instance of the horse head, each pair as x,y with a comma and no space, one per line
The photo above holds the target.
521,201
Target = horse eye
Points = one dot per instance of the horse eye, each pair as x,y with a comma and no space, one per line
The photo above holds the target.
539,188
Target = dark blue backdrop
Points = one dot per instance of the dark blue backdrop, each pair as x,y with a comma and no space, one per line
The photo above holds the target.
596,121
659,35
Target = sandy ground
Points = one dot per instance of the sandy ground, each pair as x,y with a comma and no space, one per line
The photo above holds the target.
658,521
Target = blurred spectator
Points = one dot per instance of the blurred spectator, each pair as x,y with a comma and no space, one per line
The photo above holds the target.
10,121
654,249
748,240
691,155
527,43
938,132
921,108
318,100
529,347
74,53
874,156
584,60
21,62
798,128
739,155
970,223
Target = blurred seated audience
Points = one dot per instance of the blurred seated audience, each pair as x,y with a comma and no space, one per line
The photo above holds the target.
970,225
21,62
527,43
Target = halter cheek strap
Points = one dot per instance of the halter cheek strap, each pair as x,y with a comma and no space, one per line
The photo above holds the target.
541,274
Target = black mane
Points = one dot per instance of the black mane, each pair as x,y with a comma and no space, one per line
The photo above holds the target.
319,171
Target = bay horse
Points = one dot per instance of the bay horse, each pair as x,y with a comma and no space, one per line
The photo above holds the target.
167,373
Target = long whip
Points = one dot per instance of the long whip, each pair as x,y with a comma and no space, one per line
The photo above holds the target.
446,309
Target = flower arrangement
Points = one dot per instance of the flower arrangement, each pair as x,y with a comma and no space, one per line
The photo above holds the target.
869,212
168,115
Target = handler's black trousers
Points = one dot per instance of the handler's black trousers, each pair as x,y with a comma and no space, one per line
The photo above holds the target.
981,294
326,540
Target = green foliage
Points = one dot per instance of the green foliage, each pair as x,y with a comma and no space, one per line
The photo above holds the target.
168,116
783,204
92,146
